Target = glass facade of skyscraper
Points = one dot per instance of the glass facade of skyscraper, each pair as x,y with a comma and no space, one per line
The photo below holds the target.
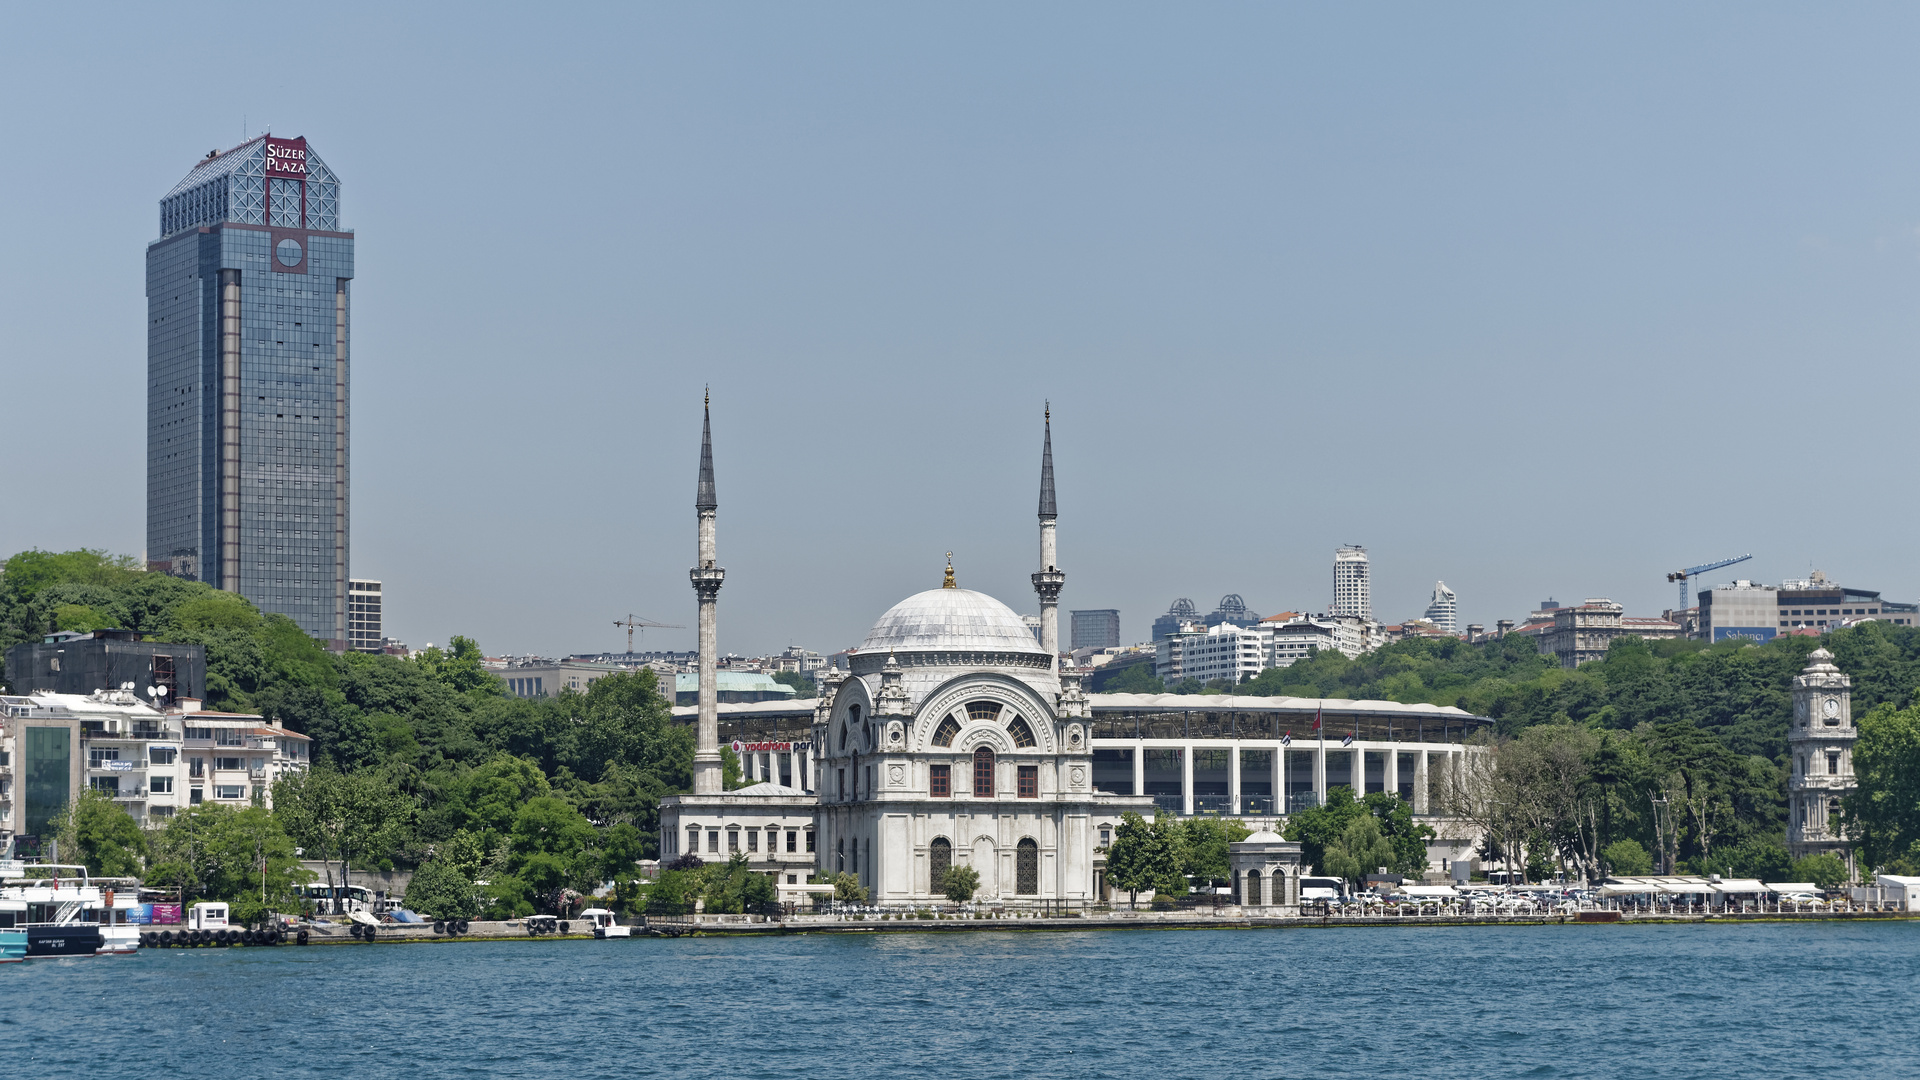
249,304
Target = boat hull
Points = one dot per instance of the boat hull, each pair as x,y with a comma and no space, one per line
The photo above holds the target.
80,939
13,946
604,932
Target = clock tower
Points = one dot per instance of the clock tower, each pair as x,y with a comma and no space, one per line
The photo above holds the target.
1821,738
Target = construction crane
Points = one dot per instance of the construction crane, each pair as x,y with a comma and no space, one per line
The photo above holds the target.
632,623
1681,576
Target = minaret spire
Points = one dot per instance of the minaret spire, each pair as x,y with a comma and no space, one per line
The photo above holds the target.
1048,580
707,577
705,499
1048,511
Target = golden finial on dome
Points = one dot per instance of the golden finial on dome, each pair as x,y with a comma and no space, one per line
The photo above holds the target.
948,584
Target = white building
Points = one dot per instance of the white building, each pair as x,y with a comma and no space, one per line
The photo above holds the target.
152,762
1352,587
364,619
1443,610
1225,651
1295,637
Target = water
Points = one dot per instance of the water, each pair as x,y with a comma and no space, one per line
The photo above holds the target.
1543,1001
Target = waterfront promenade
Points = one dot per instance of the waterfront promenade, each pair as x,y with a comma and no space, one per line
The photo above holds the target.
1224,919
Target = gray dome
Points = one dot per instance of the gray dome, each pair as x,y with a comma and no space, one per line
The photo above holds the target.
950,619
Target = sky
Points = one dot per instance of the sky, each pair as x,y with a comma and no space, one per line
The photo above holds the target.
1541,300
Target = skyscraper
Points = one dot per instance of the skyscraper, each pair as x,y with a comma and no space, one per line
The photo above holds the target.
1096,629
1443,611
1352,592
247,316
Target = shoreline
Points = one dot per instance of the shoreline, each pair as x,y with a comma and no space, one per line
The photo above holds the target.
1139,921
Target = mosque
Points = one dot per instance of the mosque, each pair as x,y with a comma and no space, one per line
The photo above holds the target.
957,738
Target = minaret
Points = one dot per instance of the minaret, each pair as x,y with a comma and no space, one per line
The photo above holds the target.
1048,580
706,577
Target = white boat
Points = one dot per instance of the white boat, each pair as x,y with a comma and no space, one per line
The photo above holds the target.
604,925
67,915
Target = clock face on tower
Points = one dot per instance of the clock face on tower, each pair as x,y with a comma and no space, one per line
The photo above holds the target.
1832,707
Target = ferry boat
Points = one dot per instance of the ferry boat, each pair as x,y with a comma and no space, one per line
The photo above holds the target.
13,930
63,915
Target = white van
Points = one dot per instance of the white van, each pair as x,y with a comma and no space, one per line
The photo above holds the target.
1319,889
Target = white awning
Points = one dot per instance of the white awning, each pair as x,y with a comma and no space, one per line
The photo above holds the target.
1429,892
1740,885
1793,887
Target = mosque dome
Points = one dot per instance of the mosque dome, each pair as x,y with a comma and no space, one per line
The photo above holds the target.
952,620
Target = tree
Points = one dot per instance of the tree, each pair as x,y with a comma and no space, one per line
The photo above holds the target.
1136,678
1317,828
440,890
99,833
1882,815
551,849
240,856
1205,848
1147,856
1359,850
803,686
342,816
959,883
1408,838
847,888
1826,871
733,887
1626,858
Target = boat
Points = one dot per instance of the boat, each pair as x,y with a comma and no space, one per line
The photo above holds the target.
604,925
63,913
13,930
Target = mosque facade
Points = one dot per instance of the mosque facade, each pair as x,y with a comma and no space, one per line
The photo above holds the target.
954,738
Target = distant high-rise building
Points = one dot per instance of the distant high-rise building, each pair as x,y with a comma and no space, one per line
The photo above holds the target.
1443,612
1181,612
247,321
363,617
1233,612
1352,593
1097,629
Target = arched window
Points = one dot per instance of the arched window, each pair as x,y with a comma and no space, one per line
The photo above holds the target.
983,710
983,773
943,735
1026,868
1251,897
1021,733
939,858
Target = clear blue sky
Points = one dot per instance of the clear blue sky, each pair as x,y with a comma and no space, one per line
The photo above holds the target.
1541,301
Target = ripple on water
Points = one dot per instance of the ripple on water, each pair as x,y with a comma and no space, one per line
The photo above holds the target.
1674,1001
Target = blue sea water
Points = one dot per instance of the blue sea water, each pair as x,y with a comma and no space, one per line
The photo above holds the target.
1762,1000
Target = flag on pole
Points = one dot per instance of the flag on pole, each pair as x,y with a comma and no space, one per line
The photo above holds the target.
1316,718
1287,739
1346,740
